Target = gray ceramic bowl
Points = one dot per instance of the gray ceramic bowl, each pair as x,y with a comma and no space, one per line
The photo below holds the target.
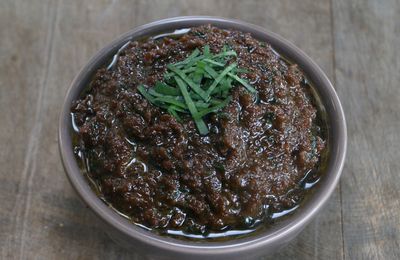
152,245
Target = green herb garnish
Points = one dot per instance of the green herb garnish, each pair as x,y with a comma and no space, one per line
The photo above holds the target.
198,85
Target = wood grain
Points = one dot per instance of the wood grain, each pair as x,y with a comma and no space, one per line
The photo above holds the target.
21,97
367,58
45,43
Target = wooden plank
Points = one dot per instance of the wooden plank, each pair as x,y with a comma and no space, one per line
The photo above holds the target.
50,221
367,40
25,45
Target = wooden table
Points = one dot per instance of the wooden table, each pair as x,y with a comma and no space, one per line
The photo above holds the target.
45,43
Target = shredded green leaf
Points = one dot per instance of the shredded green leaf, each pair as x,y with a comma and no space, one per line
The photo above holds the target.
173,111
198,85
201,126
194,54
143,91
215,108
196,88
165,89
243,82
213,62
220,77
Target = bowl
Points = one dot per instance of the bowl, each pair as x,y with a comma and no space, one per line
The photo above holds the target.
155,246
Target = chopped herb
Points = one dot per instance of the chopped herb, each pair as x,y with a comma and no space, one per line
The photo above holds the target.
215,108
206,51
198,85
165,89
220,77
143,91
211,71
172,101
173,111
243,82
196,88
194,54
213,62
201,126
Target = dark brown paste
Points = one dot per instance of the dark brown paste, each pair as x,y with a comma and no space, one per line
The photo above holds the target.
252,166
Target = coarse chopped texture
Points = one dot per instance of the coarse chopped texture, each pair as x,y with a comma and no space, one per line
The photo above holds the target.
163,174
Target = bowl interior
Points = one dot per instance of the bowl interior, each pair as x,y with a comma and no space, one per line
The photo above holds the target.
295,222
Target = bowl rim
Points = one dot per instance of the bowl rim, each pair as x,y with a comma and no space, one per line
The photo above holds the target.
296,222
